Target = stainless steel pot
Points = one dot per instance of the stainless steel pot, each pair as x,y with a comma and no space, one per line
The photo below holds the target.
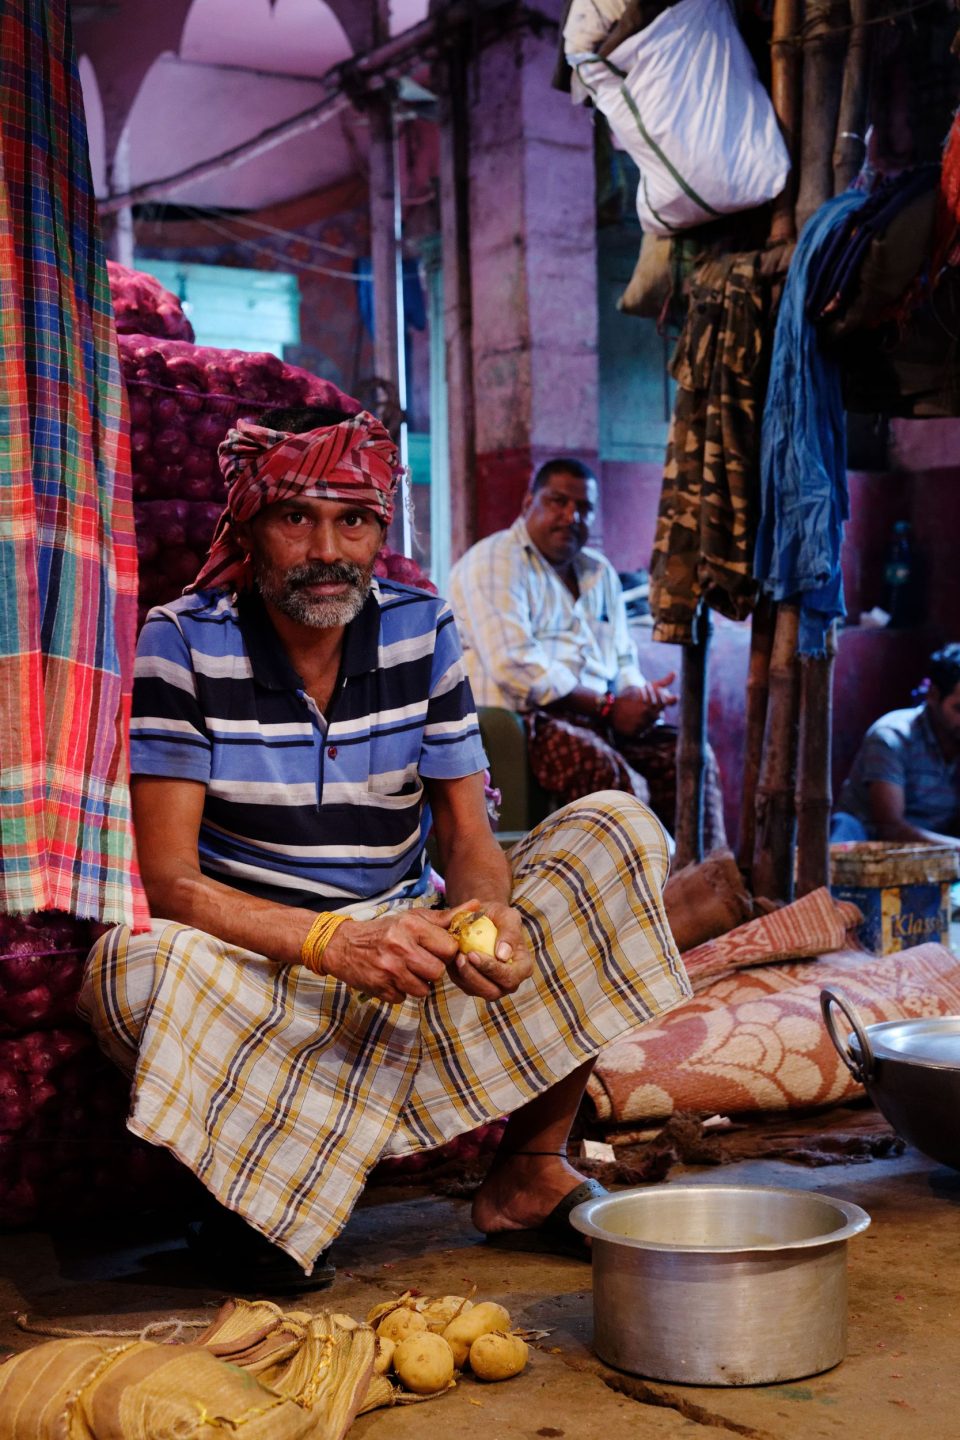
720,1284
911,1071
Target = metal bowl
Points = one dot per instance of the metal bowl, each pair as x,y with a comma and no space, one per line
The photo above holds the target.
911,1071
720,1284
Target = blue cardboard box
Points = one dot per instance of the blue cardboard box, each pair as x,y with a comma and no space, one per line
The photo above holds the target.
903,891
898,916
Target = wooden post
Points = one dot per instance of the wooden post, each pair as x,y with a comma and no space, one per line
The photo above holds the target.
457,303
758,686
692,742
814,792
383,246
850,146
773,850
822,79
785,92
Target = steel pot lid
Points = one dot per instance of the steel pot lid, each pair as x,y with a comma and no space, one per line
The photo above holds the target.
826,1220
932,1042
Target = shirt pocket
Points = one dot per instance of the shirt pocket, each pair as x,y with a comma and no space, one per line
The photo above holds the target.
393,790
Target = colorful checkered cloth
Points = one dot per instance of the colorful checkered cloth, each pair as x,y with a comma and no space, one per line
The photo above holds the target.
67,550
354,462
281,1089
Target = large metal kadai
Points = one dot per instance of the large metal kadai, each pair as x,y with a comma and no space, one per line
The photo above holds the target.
720,1284
911,1070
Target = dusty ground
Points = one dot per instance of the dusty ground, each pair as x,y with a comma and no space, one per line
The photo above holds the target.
900,1378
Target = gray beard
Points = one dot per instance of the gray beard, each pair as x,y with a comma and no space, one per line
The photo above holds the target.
286,590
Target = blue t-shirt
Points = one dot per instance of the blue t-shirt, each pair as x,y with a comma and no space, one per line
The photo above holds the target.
902,749
301,808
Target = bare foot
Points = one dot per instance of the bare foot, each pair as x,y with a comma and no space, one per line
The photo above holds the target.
520,1191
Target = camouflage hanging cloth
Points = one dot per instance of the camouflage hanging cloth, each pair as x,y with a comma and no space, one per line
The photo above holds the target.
709,504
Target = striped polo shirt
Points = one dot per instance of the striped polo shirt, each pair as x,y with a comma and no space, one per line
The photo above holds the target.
301,808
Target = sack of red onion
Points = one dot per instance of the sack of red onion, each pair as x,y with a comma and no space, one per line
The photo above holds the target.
142,306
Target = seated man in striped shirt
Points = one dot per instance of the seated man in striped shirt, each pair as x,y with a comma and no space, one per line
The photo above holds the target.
300,1007
545,632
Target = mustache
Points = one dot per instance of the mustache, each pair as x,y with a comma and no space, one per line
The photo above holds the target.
343,572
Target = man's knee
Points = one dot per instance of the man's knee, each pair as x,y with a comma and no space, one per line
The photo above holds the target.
612,807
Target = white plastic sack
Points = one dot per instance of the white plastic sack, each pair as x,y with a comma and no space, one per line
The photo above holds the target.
588,24
683,98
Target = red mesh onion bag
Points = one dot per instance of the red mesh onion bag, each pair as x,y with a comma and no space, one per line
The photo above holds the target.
142,306
183,400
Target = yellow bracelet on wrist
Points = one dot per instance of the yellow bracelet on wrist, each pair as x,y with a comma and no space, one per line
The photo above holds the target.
319,935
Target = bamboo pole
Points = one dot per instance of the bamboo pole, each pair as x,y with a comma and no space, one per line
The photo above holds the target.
457,297
850,145
785,92
383,242
814,793
773,851
692,742
823,51
758,686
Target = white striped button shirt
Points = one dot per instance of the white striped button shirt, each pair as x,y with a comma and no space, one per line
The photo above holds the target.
527,642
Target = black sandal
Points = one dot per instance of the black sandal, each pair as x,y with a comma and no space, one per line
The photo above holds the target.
554,1235
241,1261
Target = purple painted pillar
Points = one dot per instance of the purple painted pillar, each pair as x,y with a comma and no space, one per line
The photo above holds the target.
533,268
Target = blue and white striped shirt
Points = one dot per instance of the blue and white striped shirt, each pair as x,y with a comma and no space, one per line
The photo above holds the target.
303,809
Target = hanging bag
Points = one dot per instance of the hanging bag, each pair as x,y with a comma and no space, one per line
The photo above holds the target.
683,98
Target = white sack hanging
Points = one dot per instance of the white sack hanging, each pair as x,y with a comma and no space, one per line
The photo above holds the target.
588,24
683,99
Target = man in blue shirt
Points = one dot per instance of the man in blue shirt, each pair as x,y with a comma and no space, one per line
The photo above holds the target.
303,1007
903,784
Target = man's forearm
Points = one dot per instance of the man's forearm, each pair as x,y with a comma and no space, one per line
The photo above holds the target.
481,872
192,898
581,700
903,830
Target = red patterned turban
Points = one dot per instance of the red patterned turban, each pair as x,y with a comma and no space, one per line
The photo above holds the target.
354,462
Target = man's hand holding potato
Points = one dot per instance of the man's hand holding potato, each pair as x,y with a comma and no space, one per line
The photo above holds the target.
491,977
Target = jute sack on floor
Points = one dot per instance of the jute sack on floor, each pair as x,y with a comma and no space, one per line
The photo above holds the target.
313,1376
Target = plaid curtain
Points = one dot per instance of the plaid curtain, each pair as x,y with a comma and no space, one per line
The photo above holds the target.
67,549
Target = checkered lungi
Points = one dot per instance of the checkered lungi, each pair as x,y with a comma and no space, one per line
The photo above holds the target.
573,755
281,1089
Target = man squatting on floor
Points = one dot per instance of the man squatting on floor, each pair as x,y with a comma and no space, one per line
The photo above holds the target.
299,1008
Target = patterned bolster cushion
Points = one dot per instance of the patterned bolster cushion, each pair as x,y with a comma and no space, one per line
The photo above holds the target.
755,1040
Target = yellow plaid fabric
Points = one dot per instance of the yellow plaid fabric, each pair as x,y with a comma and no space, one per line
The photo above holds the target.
281,1089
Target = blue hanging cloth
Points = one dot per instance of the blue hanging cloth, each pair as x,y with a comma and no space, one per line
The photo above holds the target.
414,303
803,486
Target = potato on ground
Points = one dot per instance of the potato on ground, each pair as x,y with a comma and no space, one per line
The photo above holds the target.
461,1332
496,1356
383,1354
438,1313
424,1363
400,1323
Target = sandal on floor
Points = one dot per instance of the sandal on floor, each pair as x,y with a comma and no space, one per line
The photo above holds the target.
554,1235
238,1259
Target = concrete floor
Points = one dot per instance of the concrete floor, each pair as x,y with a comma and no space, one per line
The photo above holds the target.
900,1379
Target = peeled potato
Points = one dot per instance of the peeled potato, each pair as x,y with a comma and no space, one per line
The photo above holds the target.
383,1354
424,1363
496,1356
475,931
400,1323
378,1311
439,1313
461,1332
